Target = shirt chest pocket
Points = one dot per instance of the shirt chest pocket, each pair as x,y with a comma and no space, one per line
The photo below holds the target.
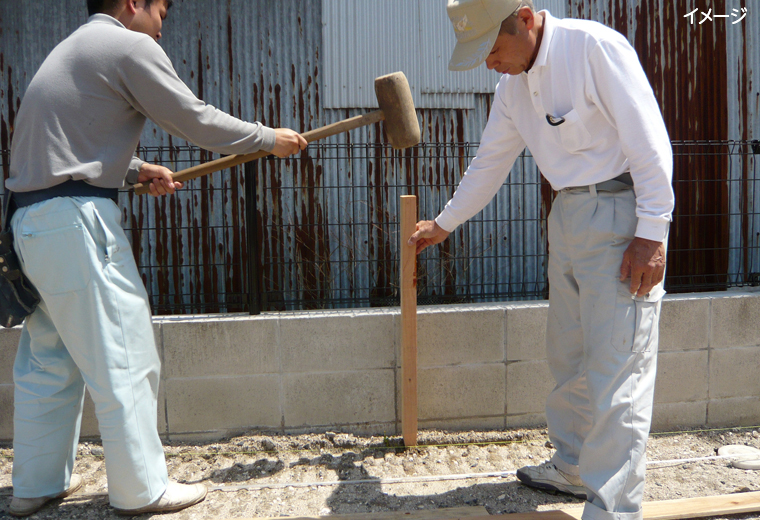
572,132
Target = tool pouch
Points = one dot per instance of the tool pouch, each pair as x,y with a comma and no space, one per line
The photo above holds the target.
18,297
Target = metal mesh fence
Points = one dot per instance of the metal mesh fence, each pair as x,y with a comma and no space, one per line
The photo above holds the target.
338,244
715,234
322,229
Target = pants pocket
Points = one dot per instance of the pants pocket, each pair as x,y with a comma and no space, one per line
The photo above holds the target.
635,325
56,258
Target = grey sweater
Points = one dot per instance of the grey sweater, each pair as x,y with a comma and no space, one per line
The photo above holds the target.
84,111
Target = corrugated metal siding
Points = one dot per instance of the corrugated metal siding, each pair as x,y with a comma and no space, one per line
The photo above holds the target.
702,76
743,67
364,40
259,61
266,60
558,8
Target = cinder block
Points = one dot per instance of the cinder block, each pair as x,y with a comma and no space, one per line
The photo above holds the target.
368,429
528,385
681,377
220,348
8,346
6,412
338,398
733,321
205,404
335,342
734,372
479,423
526,420
461,392
684,324
740,411
89,429
453,337
667,416
526,332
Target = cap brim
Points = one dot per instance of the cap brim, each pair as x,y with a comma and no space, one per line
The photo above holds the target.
468,55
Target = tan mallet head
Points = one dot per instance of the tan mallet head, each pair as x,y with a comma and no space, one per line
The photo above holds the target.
395,99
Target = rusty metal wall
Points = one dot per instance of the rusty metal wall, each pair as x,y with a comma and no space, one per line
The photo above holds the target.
704,76
264,60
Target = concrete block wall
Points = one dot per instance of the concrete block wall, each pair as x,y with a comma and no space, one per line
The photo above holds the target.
479,367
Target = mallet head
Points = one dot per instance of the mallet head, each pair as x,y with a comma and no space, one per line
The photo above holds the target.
395,99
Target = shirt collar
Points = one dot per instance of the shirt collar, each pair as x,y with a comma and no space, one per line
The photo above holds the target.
543,50
104,18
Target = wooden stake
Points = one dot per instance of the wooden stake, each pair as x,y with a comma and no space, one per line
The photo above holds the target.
408,286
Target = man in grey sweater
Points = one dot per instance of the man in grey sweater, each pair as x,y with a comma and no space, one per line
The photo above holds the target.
76,133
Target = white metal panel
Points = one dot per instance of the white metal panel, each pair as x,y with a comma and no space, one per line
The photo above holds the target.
743,62
558,8
361,41
438,42
365,39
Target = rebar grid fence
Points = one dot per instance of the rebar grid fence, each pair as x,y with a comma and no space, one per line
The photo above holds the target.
322,229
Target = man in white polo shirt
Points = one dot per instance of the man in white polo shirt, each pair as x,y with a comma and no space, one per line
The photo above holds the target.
574,93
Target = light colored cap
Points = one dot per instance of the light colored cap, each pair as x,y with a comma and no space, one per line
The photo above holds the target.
476,26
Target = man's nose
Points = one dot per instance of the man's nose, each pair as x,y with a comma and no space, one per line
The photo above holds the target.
491,63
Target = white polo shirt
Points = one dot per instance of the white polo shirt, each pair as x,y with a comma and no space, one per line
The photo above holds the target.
589,75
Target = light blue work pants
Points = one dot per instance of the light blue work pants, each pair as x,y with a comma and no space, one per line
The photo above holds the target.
602,351
93,327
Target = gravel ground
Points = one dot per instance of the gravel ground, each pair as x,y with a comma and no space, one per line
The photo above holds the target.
270,475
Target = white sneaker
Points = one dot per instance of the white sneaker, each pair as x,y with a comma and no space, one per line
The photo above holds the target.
549,478
29,506
177,496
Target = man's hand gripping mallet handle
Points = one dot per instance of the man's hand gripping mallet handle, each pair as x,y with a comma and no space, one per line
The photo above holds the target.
396,108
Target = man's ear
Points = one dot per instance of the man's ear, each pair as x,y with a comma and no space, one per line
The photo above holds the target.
131,7
526,16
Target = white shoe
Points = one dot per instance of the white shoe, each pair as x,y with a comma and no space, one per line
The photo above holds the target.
177,496
29,506
549,478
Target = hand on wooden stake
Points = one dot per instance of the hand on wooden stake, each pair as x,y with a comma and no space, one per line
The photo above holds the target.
428,233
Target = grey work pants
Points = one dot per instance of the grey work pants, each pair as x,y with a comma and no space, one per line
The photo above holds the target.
602,351
92,327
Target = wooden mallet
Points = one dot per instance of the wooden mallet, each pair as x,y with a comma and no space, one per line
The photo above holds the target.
396,108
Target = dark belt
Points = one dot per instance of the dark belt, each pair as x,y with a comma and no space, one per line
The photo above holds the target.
70,188
619,183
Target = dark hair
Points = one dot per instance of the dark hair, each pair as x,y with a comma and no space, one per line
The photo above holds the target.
509,25
107,6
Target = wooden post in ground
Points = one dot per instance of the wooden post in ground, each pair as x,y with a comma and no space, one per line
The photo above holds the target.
408,289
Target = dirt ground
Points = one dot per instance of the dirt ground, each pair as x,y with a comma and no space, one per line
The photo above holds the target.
270,475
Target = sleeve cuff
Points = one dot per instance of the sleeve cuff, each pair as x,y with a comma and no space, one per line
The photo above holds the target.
269,138
134,170
656,230
447,222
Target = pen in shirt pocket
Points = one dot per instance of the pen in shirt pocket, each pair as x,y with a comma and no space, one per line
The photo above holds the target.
554,121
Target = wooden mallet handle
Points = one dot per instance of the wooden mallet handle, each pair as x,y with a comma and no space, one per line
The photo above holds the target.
235,160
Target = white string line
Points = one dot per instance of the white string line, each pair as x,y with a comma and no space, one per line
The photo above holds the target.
398,480
425,478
